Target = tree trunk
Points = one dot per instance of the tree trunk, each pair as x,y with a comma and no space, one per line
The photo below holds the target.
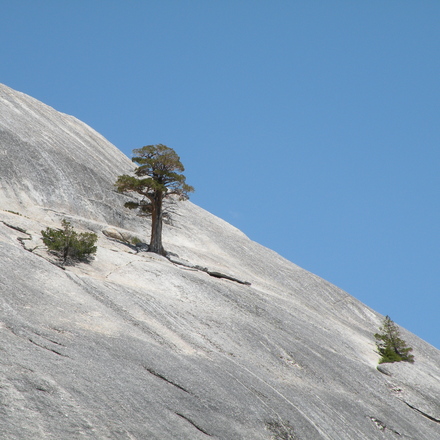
156,224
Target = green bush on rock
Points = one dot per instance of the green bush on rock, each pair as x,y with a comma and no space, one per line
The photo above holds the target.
69,245
389,344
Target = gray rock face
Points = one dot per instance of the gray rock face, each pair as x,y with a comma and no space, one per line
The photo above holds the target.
135,346
56,162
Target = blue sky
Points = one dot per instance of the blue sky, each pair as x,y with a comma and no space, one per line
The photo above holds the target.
313,126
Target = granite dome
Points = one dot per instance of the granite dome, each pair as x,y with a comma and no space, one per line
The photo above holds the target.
138,346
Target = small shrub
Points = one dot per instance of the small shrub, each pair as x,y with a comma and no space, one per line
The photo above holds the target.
389,344
135,241
68,245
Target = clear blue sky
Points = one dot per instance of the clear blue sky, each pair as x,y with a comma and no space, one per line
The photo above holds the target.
313,126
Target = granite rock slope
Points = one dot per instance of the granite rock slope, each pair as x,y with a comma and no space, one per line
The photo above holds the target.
138,346
55,162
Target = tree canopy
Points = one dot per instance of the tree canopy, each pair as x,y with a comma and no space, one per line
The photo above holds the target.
67,244
158,175
389,344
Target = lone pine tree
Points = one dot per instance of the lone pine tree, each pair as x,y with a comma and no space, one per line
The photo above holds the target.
157,176
389,344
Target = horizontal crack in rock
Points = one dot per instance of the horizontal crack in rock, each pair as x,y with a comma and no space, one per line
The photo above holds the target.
423,413
227,277
212,273
16,228
192,423
160,376
47,348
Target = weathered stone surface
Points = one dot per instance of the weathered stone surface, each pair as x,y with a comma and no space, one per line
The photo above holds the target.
54,162
133,346
121,235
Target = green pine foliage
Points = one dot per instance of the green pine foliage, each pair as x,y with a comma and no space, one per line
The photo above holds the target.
159,175
69,245
389,344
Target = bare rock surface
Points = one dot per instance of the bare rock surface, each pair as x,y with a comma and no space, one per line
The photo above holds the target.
139,346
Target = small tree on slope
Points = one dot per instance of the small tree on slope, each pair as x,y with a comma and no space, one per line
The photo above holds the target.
67,244
158,176
389,344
